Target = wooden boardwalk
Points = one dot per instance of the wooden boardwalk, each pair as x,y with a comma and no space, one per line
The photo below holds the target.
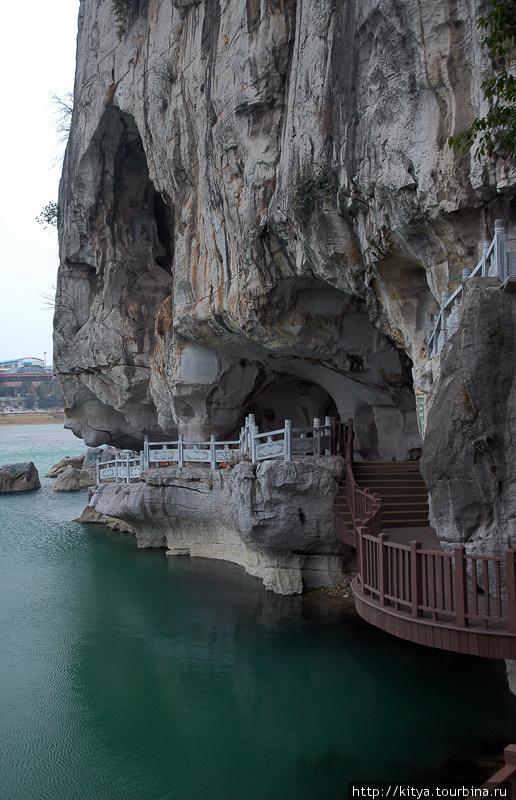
406,583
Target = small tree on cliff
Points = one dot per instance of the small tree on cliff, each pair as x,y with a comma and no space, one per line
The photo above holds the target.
495,133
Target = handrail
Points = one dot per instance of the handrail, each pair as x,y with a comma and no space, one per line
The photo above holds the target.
365,506
506,776
497,260
317,439
458,589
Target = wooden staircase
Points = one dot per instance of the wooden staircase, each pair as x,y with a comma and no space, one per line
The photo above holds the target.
402,489
403,492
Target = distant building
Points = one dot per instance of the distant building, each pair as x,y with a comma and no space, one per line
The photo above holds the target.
19,363
19,371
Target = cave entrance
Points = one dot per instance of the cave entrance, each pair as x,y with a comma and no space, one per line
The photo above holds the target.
290,398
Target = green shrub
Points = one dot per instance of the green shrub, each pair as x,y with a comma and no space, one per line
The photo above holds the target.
495,134
314,181
123,10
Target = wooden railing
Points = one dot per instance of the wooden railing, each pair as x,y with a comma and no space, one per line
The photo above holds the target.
505,778
365,505
457,589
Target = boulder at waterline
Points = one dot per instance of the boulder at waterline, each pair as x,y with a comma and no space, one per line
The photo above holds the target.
19,477
68,481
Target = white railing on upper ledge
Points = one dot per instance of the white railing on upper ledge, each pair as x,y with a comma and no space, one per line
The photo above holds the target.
284,444
498,260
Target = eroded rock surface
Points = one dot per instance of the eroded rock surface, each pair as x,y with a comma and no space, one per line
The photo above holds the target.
276,520
192,288
201,279
469,459
19,477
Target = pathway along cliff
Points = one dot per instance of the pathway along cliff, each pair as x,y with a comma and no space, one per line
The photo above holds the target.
259,212
124,671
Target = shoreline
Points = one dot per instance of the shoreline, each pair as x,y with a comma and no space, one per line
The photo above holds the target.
43,418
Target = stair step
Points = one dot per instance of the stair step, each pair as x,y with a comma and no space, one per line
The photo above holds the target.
404,523
399,513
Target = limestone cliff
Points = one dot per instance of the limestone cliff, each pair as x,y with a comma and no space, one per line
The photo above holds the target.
259,212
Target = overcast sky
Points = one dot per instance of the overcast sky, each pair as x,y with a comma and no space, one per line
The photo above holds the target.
37,58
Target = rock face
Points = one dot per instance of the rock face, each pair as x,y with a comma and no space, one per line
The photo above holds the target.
200,277
68,480
469,463
259,213
19,477
276,520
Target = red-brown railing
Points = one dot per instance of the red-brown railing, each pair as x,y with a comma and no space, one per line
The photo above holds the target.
457,589
365,506
505,777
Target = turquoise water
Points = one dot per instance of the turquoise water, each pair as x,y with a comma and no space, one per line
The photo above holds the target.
127,675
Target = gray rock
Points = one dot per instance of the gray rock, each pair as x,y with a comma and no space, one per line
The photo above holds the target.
19,477
68,481
69,462
275,520
203,293
469,459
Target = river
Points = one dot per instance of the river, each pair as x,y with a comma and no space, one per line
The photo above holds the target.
124,674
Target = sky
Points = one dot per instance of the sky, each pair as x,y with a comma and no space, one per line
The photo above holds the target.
37,58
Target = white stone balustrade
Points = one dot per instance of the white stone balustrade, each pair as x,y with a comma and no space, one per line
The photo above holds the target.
498,260
284,443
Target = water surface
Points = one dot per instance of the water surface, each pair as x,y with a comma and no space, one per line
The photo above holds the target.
128,675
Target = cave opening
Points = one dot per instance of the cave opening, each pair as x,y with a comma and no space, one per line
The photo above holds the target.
287,397
164,216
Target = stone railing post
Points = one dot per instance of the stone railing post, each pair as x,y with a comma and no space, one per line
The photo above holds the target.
327,432
333,437
97,470
500,249
180,446
213,452
116,469
317,437
128,472
485,248
253,432
287,438
445,313
146,453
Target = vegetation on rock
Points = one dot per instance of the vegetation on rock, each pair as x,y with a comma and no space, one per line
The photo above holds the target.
48,215
123,10
495,133
314,181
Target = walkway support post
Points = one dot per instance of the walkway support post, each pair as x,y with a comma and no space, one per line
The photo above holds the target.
288,440
213,452
461,587
333,437
253,433
317,436
511,589
97,471
146,452
416,578
180,446
383,567
500,249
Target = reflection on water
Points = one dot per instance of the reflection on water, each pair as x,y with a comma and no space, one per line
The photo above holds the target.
129,675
